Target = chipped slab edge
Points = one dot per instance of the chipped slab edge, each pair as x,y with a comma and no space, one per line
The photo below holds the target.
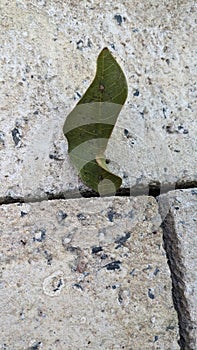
178,211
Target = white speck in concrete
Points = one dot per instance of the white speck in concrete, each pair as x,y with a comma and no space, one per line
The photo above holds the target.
53,284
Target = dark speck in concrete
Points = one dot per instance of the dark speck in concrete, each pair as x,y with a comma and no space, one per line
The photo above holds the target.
169,129
156,271
132,273
128,135
125,175
164,112
81,217
104,256
16,136
182,129
150,294
80,45
49,257
89,44
78,94
169,328
114,265
27,69
78,286
23,242
2,135
147,268
36,346
61,216
122,239
185,131
136,93
120,297
119,19
96,250
131,214
58,284
23,213
126,132
112,214
194,192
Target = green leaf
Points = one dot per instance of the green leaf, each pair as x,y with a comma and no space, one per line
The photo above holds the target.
89,126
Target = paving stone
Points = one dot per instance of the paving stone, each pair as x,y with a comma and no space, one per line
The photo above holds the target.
179,209
48,59
85,274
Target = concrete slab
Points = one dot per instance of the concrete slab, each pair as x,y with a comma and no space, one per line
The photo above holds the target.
48,57
85,274
180,226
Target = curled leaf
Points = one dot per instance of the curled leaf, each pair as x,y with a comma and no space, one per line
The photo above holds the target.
89,125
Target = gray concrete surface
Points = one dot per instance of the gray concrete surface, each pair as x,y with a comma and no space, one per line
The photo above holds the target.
48,57
85,274
48,52
180,226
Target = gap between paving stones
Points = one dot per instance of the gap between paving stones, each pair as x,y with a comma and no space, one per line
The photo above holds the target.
153,191
179,227
179,299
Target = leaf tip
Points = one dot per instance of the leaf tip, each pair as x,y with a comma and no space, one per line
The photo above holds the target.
105,50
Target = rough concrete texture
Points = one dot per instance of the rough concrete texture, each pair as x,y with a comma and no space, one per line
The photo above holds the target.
181,245
48,57
85,274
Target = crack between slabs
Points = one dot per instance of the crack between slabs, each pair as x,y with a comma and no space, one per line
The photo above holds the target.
173,255
153,190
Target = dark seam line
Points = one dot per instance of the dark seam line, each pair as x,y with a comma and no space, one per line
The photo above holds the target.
153,191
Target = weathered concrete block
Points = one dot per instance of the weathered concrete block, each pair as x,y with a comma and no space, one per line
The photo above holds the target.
85,274
48,57
180,223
